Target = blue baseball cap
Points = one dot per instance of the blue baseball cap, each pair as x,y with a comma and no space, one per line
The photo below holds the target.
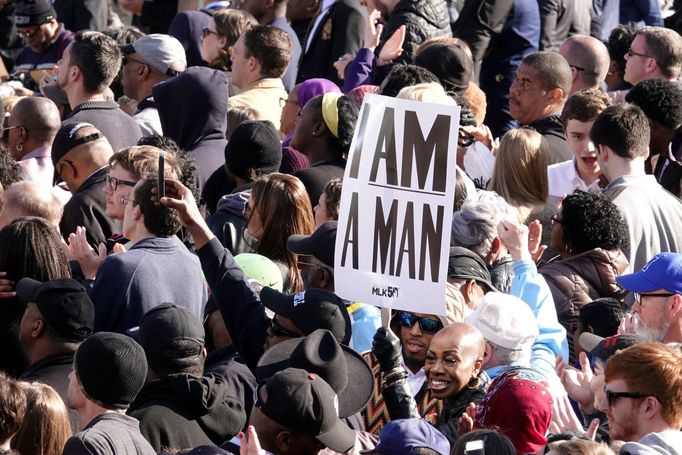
664,271
401,436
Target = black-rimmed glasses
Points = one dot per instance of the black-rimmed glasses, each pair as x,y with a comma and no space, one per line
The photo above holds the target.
612,397
114,182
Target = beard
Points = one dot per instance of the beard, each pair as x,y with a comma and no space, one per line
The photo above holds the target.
627,430
655,333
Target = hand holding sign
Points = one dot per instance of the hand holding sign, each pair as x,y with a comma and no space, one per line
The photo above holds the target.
386,348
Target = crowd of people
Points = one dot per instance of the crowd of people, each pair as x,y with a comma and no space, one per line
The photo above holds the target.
171,176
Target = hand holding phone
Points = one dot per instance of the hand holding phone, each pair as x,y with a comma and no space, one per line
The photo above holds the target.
162,177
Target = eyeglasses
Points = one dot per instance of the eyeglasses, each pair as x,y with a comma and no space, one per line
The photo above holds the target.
639,297
555,220
127,59
29,34
611,397
631,53
279,331
427,325
11,128
464,138
578,68
114,182
125,200
207,31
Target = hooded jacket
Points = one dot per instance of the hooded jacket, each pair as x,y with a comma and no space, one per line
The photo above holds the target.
663,443
182,411
193,112
423,19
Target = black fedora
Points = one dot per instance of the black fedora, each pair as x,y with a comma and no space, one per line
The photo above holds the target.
342,368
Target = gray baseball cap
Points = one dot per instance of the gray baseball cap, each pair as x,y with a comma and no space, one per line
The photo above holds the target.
162,52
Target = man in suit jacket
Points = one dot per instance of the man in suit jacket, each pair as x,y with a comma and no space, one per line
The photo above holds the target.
337,29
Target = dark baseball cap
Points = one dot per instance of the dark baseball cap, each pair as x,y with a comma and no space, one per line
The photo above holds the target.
305,403
166,323
321,243
67,138
603,348
311,310
464,263
346,372
64,305
34,12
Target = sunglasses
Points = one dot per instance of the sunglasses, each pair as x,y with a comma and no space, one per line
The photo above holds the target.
427,325
464,138
612,397
279,331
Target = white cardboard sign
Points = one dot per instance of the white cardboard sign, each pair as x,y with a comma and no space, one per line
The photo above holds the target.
396,206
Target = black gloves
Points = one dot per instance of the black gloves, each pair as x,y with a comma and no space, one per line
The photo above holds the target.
386,348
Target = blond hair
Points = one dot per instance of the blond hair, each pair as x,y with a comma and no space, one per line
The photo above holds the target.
520,172
429,92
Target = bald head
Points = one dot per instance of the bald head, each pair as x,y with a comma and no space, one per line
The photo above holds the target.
589,60
465,336
30,199
39,116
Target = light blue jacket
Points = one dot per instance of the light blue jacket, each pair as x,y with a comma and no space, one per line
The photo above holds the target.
530,286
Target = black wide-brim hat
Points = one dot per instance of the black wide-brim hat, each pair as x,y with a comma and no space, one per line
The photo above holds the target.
321,354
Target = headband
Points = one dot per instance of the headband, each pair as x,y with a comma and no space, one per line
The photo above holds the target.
330,112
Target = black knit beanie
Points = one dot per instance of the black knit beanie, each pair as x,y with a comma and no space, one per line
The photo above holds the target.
34,12
253,148
111,368
451,65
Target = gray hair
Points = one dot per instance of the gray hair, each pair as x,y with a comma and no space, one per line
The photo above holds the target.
474,226
506,356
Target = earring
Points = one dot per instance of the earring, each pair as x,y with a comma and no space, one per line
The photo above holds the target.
473,382
19,147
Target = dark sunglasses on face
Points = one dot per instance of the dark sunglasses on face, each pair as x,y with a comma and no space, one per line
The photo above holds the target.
611,397
426,325
279,331
464,138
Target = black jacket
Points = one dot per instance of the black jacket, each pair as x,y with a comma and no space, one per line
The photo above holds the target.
120,129
181,411
423,19
552,130
193,112
341,31
227,363
556,18
82,14
87,207
54,371
318,175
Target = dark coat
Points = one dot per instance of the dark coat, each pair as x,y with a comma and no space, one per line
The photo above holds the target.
556,18
54,371
289,77
227,223
318,175
120,129
182,411
157,15
227,363
423,19
500,33
340,32
552,130
82,14
87,208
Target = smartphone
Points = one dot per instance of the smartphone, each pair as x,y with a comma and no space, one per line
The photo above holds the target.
474,447
162,177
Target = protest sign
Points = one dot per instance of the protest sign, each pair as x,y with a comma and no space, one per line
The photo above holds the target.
396,206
